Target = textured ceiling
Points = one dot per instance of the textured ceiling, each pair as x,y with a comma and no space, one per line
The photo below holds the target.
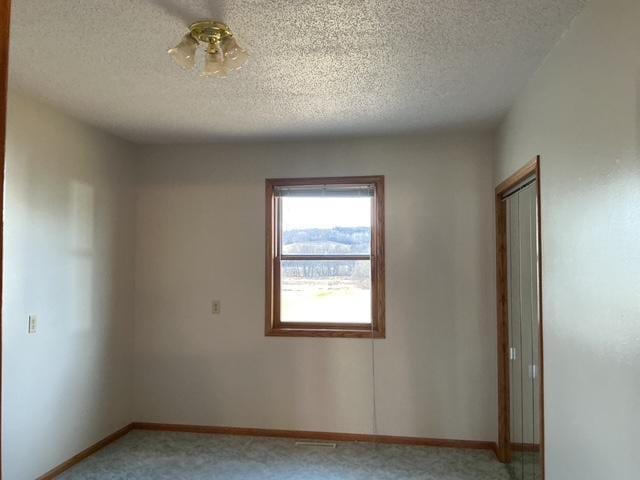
321,67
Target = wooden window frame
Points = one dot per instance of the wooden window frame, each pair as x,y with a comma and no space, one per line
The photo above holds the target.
273,325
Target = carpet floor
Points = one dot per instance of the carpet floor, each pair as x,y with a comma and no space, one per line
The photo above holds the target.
143,455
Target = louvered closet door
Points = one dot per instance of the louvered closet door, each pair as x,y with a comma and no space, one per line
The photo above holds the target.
523,332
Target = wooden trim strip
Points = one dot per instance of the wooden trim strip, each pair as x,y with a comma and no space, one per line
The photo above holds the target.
378,271
504,401
325,436
323,333
322,258
314,181
326,326
525,447
541,317
54,472
529,169
5,20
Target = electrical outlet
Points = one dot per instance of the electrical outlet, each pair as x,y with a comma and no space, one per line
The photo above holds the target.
216,307
33,324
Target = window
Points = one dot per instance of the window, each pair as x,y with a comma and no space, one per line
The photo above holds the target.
325,257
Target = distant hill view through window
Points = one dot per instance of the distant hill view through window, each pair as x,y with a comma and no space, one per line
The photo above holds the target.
327,241
333,290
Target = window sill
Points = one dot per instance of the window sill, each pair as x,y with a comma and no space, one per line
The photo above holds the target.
324,333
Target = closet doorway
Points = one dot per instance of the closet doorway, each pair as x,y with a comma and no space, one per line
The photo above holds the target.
520,382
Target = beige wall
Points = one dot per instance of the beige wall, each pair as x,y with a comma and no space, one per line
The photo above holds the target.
68,259
581,112
201,237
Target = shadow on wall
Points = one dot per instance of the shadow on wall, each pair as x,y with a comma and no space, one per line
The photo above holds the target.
210,9
301,385
431,353
638,119
81,247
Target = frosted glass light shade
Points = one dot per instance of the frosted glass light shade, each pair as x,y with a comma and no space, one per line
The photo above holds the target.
214,65
184,54
234,55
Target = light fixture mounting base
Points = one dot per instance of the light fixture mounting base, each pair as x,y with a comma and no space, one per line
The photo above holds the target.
209,31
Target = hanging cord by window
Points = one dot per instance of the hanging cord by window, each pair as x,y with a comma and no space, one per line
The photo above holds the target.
374,412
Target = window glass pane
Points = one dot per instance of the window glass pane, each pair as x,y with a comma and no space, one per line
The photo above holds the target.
326,291
326,225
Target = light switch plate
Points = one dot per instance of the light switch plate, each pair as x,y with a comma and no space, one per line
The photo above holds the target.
216,307
33,324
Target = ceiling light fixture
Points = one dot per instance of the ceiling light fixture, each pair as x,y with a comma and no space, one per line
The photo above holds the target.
223,54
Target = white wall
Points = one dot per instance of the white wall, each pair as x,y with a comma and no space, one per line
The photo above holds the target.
68,259
200,236
581,112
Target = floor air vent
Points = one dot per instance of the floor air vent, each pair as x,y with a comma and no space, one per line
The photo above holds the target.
315,444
